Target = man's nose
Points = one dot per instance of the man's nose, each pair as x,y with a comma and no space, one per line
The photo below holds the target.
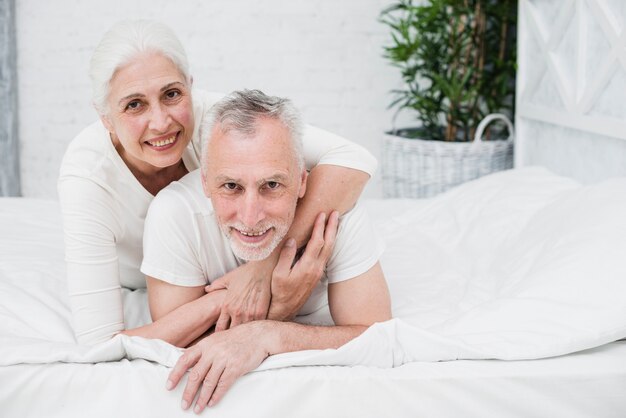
160,118
252,209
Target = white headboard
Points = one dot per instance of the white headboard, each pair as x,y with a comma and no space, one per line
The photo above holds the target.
571,87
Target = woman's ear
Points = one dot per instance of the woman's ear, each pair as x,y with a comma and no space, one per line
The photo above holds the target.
107,123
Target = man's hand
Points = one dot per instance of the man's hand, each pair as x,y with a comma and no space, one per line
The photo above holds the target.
248,295
292,286
217,361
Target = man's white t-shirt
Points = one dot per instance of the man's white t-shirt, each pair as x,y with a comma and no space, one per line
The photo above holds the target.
104,207
183,244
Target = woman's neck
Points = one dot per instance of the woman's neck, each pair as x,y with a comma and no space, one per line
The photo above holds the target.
152,178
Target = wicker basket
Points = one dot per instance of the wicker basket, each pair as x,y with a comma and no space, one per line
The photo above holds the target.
417,168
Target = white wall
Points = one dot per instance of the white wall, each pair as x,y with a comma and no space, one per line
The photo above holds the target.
326,55
9,166
571,84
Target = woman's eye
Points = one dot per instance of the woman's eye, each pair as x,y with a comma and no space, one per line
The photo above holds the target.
134,105
172,94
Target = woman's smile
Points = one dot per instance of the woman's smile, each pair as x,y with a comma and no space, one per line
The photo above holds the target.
164,142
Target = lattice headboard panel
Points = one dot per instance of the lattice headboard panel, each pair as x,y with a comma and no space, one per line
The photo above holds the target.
571,87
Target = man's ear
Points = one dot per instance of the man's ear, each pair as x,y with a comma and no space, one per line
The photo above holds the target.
303,179
205,186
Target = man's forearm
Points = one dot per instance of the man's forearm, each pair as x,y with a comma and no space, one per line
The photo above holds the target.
284,337
184,324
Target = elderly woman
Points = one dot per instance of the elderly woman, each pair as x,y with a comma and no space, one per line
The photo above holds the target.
147,137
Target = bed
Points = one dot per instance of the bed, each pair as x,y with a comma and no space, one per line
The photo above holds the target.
508,300
508,292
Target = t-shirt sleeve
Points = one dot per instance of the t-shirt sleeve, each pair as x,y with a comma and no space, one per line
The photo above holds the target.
358,247
90,227
323,147
170,242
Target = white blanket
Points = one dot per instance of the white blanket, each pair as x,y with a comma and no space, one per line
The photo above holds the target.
518,265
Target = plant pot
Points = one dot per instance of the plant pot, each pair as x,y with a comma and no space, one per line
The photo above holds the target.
419,168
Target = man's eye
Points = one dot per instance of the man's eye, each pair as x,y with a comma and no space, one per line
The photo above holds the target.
272,185
230,186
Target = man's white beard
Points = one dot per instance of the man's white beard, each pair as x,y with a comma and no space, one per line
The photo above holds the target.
252,252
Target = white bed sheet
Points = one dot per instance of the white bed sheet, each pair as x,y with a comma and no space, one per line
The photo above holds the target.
587,384
475,254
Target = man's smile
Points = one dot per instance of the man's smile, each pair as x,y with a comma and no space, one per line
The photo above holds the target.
252,236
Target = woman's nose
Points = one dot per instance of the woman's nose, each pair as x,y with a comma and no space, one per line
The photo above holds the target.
160,119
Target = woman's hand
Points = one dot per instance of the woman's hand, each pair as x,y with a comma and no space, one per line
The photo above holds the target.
251,286
248,294
292,284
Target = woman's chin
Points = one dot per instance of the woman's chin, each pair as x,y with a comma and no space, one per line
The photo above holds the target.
165,163
165,158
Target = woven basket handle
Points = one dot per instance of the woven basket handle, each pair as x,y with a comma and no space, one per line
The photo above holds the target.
486,121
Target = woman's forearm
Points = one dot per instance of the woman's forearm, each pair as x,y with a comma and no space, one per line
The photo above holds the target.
184,324
329,187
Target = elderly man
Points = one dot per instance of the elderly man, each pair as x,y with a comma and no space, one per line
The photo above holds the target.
253,175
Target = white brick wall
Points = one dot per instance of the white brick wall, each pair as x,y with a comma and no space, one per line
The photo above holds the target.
326,55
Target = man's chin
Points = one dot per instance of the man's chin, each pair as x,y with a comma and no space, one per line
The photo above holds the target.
260,251
251,254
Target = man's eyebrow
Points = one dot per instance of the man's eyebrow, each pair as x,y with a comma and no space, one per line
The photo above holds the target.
140,96
225,179
278,177
281,178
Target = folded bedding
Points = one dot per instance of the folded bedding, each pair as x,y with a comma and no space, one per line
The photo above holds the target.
521,264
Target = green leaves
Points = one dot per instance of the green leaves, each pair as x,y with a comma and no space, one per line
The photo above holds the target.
457,59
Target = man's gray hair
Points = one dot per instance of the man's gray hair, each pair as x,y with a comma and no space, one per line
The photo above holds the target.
240,112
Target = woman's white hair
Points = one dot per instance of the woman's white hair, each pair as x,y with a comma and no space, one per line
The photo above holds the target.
240,111
123,42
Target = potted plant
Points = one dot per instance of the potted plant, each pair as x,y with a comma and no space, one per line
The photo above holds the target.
458,62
